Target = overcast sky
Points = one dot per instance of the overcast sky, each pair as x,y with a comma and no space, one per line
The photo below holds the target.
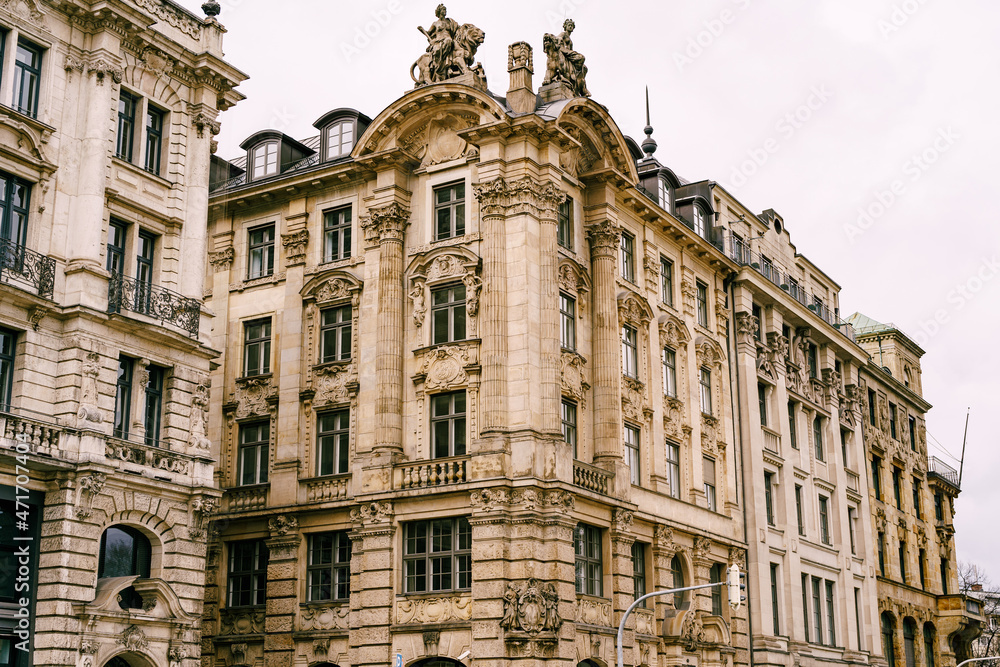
869,125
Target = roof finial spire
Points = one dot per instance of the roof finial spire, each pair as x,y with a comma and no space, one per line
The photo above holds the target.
649,144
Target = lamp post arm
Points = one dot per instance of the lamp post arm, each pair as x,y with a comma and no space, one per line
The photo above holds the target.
628,612
989,657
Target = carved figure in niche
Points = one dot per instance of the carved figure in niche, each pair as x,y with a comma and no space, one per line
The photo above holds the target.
451,50
564,63
89,412
472,285
417,297
199,415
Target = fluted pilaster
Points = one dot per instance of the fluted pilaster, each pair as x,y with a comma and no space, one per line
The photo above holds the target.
548,207
604,240
388,225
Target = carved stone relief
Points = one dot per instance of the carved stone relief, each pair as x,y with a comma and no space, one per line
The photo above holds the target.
252,396
573,383
325,617
89,414
434,610
531,607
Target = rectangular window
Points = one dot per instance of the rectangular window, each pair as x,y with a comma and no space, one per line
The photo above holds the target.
798,510
669,372
154,405
881,553
708,467
328,572
831,626
762,403
569,424
902,561
674,469
666,281
705,390
813,360
632,449
154,139
335,334
922,567
123,397
912,423
824,519
793,435
844,437
916,498
872,407
628,256
775,626
939,506
253,458
27,78
265,160
449,211
877,477
116,248
261,262
758,314
448,314
247,573
14,203
339,139
818,438
8,340
817,610
144,273
897,486
944,576
852,520
715,575
589,560
127,105
437,555
805,605
257,347
337,234
564,231
639,571
699,221
567,322
333,447
448,425
857,619
769,497
702,303
892,420
630,352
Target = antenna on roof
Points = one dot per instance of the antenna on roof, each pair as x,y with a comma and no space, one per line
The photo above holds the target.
649,143
961,462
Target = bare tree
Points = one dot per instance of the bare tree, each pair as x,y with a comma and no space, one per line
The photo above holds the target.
975,582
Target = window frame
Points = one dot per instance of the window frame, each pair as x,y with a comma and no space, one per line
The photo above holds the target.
116,253
261,251
344,147
698,223
341,333
666,281
455,206
153,408
626,246
639,572
455,325
567,322
705,390
264,160
333,442
701,303
259,347
818,438
775,616
710,484
568,411
334,572
255,577
799,514
420,564
762,402
455,421
673,469
33,73
917,505
588,540
337,231
630,351
14,217
256,452
564,224
153,157
716,575
128,105
123,398
669,363
769,497
824,519
793,435
8,355
632,440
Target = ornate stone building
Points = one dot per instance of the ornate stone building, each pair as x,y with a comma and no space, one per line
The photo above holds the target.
474,386
924,618
107,112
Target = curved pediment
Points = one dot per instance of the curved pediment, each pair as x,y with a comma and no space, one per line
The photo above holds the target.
158,598
330,286
673,332
572,277
602,145
709,352
633,310
426,121
24,141
443,263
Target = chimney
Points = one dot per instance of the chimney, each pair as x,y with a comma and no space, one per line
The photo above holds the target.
520,96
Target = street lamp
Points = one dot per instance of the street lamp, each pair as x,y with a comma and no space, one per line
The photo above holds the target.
989,657
735,598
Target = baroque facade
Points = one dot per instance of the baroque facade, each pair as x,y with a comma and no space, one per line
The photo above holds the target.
107,116
924,618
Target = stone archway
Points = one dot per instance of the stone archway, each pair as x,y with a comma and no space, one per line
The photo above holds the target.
437,662
129,659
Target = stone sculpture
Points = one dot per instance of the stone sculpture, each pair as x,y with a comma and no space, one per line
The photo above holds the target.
451,51
565,65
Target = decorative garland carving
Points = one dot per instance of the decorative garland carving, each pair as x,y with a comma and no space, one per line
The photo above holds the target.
252,396
379,511
434,610
326,617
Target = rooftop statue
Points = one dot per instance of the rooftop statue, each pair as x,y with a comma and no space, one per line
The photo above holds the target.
451,51
564,64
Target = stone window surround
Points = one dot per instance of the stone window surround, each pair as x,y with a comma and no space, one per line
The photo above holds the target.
139,157
436,180
438,268
17,30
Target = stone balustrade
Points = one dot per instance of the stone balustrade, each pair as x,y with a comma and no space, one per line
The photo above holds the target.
40,437
247,498
591,477
441,472
326,489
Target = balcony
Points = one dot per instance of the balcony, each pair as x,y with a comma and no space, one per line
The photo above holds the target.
27,269
591,477
441,472
326,489
740,252
772,440
159,303
246,498
34,435
939,468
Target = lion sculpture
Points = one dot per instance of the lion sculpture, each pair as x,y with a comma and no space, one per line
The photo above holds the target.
468,39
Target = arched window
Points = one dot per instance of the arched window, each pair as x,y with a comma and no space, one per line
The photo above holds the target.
663,194
909,645
888,634
125,552
678,571
929,644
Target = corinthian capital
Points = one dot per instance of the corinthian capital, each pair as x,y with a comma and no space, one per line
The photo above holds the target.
503,197
604,238
386,223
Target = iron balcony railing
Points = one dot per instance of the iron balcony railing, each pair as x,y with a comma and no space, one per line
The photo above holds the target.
144,298
26,268
936,466
739,250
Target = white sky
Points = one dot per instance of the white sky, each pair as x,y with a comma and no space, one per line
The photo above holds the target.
903,95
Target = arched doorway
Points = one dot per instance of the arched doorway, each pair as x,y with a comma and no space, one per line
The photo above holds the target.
129,659
437,662
888,638
588,663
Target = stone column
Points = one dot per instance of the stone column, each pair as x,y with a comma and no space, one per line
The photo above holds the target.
282,587
388,224
491,572
548,208
193,238
622,583
372,588
604,240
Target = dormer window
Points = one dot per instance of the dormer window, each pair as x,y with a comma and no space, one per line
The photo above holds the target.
339,139
699,221
663,193
264,160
